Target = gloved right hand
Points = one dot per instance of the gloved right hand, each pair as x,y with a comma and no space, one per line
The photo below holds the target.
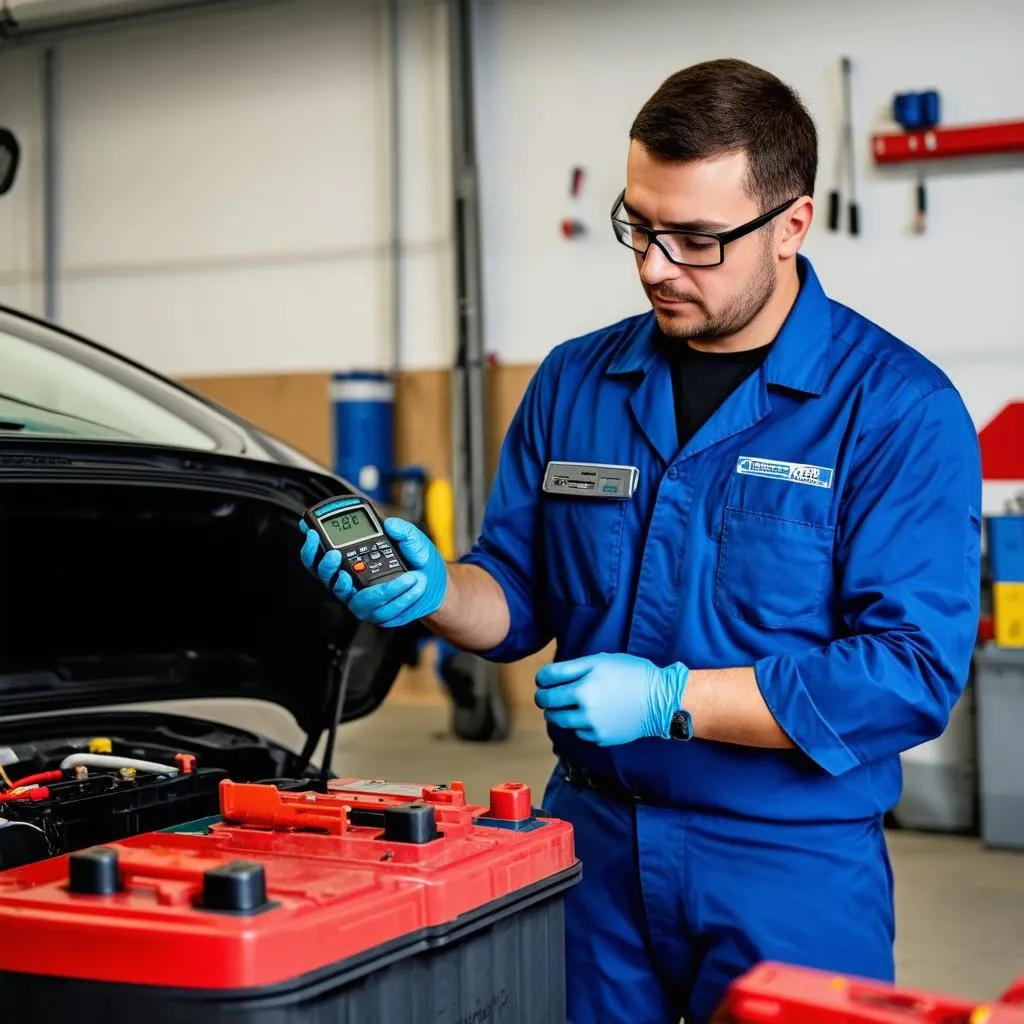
411,596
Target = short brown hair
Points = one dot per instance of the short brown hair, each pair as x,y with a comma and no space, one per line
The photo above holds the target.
722,106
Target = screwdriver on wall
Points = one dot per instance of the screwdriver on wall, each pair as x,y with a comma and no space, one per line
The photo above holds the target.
845,156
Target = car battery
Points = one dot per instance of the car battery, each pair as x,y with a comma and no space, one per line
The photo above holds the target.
371,902
773,993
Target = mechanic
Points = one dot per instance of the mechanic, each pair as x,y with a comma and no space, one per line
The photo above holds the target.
788,600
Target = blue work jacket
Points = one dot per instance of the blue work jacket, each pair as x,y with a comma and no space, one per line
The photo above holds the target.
823,526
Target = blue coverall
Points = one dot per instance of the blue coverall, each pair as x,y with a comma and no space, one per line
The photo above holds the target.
823,526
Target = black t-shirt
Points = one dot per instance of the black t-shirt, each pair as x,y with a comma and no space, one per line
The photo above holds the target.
702,381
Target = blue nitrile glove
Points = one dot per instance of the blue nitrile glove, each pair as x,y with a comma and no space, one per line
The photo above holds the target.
411,596
611,698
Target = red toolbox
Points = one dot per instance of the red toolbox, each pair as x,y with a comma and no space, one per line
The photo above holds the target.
772,993
370,903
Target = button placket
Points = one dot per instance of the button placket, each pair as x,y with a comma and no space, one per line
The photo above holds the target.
657,599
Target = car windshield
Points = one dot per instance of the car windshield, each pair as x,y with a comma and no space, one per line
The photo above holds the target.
46,391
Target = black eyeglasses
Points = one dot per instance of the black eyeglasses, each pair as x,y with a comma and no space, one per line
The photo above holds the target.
684,248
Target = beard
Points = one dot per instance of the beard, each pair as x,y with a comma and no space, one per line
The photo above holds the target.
736,314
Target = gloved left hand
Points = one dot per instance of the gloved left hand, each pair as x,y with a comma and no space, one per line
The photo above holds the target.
412,595
611,698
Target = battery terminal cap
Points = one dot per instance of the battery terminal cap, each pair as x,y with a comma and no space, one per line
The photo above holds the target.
238,887
186,762
94,872
511,801
100,745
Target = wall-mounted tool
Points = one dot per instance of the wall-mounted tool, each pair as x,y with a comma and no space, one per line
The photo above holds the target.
572,225
920,214
917,111
845,158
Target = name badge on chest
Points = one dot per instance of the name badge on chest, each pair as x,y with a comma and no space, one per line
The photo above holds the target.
590,480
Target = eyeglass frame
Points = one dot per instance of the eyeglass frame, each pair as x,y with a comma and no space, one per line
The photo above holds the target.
723,238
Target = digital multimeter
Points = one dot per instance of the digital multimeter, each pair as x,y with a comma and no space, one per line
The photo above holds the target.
352,526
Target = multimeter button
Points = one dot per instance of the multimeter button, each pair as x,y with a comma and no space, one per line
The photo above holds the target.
375,556
363,549
393,564
385,550
351,555
359,567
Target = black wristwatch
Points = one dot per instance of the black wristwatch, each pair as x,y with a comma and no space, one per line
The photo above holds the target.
681,726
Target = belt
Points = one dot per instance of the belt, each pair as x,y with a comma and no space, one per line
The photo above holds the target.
583,778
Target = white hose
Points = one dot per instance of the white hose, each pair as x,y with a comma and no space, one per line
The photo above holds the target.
109,761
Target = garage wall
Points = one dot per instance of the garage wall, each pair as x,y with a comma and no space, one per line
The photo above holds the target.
562,82
225,187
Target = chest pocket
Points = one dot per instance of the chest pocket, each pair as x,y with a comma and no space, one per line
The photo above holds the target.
582,548
776,542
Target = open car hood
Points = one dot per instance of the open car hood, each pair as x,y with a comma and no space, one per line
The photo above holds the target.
134,573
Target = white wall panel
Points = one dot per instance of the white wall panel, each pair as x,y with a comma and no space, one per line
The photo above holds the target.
561,83
234,136
225,189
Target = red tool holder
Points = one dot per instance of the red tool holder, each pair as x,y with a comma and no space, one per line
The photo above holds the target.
774,993
945,142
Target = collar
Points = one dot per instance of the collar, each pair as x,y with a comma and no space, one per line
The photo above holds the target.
799,359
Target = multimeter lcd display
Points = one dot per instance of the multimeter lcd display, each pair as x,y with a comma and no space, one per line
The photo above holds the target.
349,527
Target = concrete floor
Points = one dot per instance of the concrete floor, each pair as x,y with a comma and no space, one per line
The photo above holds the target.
960,907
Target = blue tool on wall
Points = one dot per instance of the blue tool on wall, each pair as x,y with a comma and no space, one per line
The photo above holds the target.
913,111
918,111
845,156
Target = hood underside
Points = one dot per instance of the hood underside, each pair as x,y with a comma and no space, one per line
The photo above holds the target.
130,573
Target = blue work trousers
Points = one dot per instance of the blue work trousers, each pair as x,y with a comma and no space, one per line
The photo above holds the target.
675,904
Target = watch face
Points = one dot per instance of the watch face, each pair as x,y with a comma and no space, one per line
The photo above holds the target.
682,726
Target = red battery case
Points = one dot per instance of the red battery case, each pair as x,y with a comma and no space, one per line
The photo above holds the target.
372,902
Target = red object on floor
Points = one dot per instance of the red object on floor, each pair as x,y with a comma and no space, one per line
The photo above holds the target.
1015,993
774,993
288,884
949,141
1002,444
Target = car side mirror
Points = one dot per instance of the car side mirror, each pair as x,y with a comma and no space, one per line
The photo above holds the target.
10,152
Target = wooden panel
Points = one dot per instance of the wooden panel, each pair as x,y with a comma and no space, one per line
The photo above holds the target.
506,386
423,420
292,406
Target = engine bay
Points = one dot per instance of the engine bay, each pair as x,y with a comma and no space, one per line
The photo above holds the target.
59,794
187,587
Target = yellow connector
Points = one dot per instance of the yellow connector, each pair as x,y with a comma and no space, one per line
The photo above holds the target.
100,745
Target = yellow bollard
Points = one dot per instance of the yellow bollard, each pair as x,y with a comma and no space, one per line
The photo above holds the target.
439,514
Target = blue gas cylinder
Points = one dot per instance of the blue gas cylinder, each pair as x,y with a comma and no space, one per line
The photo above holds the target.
364,436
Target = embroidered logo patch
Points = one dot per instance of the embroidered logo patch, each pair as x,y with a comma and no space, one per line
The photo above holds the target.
791,472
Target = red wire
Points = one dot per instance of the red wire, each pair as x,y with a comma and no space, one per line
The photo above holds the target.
39,777
30,794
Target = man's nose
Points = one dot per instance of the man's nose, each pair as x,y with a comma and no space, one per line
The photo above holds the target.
656,267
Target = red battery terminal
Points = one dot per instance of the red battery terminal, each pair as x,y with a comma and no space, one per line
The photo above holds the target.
511,801
186,762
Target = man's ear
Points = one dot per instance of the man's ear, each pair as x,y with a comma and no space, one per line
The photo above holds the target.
796,222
